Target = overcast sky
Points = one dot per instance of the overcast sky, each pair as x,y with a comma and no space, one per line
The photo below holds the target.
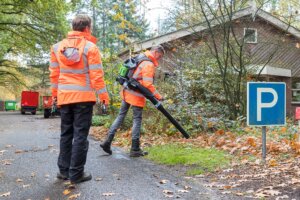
156,9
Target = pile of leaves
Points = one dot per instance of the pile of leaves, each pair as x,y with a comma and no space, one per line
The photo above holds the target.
281,141
273,180
248,176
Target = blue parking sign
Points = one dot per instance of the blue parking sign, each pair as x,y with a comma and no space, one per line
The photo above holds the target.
266,103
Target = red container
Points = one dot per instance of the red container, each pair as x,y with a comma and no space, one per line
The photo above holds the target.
297,113
47,102
29,102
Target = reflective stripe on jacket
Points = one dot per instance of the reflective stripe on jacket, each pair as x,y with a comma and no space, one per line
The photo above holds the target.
76,70
144,74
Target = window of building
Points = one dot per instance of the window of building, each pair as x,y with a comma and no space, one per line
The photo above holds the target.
250,35
296,90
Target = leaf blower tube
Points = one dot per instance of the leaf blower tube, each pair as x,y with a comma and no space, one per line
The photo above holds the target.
133,84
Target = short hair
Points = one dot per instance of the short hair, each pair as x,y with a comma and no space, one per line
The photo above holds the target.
159,49
80,22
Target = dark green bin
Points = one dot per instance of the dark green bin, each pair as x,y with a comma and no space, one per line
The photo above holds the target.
10,105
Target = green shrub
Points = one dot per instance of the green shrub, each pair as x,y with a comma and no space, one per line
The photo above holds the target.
102,120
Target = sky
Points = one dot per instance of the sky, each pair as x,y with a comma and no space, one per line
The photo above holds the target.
156,9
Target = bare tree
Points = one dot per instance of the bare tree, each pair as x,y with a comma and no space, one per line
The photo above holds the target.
231,50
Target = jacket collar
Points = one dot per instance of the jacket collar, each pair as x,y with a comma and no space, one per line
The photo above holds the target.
149,55
87,36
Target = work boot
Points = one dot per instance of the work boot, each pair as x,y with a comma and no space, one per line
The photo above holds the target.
62,176
85,177
107,143
135,150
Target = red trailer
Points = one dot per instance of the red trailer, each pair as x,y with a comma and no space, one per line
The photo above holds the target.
29,102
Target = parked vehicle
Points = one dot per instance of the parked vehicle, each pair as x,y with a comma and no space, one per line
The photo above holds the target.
10,105
29,102
50,107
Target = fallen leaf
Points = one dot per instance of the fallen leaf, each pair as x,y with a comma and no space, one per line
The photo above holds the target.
227,187
163,181
226,192
261,195
272,192
183,191
294,181
251,141
168,192
19,151
257,161
5,194
2,152
108,194
19,180
220,132
273,163
168,195
74,196
66,192
98,179
187,187
281,185
26,186
7,163
8,146
282,197
249,191
69,185
228,170
33,174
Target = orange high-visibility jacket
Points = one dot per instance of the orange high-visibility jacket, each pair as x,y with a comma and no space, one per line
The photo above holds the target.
144,74
76,70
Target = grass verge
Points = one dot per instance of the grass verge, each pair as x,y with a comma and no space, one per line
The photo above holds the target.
198,160
99,120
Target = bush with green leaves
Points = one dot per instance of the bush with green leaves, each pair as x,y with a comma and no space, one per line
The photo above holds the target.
102,120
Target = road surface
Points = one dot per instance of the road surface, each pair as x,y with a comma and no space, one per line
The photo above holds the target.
28,156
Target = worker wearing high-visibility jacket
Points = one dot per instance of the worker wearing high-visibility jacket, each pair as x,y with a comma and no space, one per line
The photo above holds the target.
76,74
144,74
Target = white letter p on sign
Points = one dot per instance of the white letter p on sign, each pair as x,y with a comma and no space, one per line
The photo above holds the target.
261,105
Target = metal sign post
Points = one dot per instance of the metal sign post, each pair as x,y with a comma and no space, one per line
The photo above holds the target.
266,106
264,143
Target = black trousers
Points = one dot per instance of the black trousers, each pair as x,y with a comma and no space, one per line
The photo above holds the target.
75,125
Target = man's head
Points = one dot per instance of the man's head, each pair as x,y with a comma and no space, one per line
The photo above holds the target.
81,23
158,52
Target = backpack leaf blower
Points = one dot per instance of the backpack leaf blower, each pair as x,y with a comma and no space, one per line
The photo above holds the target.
135,85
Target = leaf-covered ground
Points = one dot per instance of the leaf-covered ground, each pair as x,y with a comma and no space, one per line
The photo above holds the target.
248,176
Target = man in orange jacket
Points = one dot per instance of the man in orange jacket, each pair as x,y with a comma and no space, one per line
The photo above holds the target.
144,74
76,74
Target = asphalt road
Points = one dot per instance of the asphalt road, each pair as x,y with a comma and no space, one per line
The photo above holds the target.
28,156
